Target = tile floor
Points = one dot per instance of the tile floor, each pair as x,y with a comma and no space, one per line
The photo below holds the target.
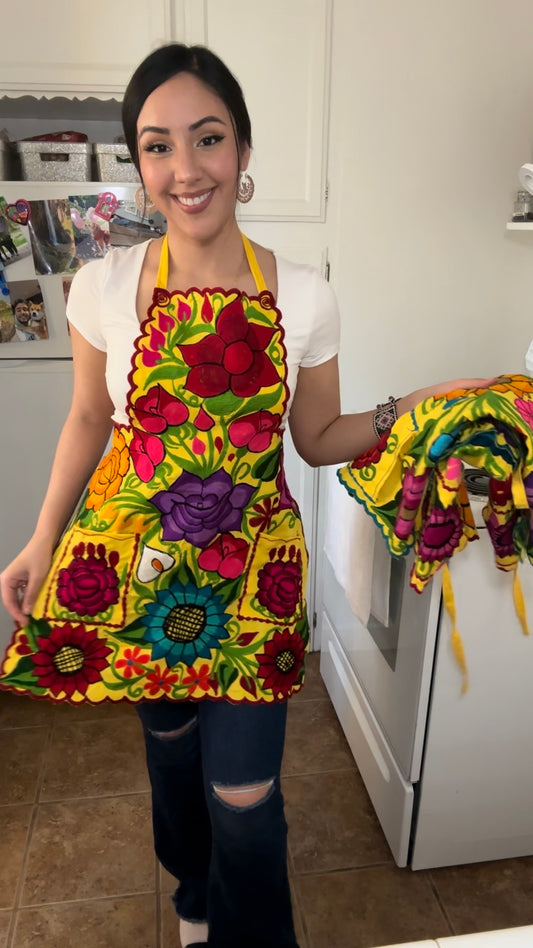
76,862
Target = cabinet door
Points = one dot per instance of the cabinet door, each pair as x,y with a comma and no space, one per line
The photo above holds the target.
62,47
279,52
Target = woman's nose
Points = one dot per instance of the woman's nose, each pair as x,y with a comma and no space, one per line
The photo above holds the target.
186,166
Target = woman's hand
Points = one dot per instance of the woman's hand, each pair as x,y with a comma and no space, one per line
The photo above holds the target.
21,580
407,402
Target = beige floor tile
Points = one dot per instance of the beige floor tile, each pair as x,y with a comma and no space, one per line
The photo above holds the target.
20,711
314,686
90,848
21,752
332,824
362,908
167,882
76,714
14,824
298,919
5,922
113,923
315,741
169,924
94,759
487,895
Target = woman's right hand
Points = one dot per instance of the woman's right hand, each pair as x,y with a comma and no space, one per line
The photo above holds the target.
22,579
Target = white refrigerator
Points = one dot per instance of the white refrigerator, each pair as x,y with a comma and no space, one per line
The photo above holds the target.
35,386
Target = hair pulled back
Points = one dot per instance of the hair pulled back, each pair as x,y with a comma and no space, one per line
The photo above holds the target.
168,61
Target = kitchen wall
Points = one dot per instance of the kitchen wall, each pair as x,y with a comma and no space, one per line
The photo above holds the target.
431,119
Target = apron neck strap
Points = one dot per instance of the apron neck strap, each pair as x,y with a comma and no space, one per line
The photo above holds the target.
162,270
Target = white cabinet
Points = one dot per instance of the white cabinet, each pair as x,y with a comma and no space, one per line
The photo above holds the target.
280,54
79,49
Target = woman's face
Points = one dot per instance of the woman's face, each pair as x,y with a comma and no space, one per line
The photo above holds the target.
188,157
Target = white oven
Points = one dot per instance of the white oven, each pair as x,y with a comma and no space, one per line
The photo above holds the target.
449,775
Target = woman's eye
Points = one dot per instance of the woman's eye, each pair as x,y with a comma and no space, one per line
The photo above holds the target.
210,140
157,148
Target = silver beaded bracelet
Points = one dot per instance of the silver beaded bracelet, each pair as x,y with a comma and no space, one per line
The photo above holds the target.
384,416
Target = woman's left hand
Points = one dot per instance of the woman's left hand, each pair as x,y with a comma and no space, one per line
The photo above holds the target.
441,388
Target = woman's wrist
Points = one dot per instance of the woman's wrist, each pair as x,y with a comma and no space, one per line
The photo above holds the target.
384,416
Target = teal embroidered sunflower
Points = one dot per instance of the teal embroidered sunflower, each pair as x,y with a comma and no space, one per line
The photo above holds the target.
185,623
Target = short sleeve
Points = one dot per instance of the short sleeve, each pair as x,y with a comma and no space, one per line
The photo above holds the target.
324,335
84,303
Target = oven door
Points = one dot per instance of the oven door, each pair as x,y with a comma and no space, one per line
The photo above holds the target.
392,663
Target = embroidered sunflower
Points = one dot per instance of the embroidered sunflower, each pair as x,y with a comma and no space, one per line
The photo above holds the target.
185,623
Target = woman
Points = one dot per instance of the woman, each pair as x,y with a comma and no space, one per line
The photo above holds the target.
188,517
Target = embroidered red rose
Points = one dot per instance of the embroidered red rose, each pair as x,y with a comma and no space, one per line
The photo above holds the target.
225,556
158,409
147,451
231,358
89,584
373,454
254,431
279,584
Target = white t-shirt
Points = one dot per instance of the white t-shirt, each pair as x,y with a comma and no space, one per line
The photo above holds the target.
101,306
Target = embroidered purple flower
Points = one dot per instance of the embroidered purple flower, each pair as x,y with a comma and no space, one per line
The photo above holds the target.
441,534
197,510
89,584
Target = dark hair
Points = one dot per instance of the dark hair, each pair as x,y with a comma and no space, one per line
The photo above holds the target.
168,61
17,302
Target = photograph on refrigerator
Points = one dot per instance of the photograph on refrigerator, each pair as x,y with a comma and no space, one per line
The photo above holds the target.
52,237
14,243
91,230
23,313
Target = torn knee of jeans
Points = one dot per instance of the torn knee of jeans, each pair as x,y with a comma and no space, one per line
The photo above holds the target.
171,735
244,796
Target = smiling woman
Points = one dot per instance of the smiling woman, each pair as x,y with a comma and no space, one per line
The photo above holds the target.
179,585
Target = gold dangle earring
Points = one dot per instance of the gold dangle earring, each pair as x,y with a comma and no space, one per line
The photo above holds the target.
143,201
245,188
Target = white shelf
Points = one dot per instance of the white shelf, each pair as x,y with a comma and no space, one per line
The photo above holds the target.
520,225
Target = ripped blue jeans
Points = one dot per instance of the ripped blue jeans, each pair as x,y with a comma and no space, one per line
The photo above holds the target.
230,859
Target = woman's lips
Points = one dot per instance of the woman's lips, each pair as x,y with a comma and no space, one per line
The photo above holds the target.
194,203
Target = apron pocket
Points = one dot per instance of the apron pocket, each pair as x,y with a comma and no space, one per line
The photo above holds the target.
274,587
89,579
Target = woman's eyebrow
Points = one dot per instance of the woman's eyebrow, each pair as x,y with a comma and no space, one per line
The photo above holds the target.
204,121
154,128
159,130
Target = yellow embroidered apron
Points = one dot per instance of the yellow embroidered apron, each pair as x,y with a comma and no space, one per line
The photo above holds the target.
183,573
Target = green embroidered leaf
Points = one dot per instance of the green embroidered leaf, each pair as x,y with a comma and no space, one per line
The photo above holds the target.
133,633
228,591
263,401
226,675
37,628
267,467
22,676
224,404
168,371
185,574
